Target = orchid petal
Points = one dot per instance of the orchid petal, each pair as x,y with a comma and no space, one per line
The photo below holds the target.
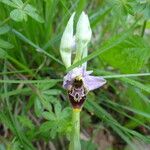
69,78
84,31
67,42
92,82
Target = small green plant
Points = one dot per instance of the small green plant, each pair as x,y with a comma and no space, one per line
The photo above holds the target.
78,81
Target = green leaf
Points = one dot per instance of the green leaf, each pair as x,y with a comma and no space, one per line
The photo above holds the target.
104,115
58,109
49,116
129,56
98,16
32,12
18,15
49,128
3,54
46,126
136,84
142,7
8,2
4,29
25,39
12,124
59,121
26,122
53,131
135,111
19,3
46,102
5,44
38,107
123,7
51,81
46,85
66,112
15,145
52,92
125,78
88,145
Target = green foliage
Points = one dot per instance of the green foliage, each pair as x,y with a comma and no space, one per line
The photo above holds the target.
9,3
57,122
123,7
22,10
31,11
5,44
26,122
129,56
34,109
143,8
88,145
18,15
4,29
3,54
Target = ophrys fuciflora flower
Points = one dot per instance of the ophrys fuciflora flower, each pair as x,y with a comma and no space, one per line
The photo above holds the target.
78,81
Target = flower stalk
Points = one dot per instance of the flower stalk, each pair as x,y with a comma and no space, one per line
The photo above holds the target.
78,82
75,135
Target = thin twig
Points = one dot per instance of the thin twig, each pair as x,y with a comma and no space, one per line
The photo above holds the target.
143,28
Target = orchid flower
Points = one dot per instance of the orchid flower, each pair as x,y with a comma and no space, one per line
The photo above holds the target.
78,82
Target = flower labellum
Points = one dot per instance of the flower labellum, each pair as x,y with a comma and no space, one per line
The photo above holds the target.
79,82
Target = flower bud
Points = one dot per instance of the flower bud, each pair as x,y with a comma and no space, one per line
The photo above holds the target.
67,42
83,37
83,30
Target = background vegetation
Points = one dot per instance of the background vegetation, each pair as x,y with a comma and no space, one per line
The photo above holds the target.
34,109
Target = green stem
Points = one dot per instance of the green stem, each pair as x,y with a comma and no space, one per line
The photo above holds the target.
5,21
143,28
20,65
75,134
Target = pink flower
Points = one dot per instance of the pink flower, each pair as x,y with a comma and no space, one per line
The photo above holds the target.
79,82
